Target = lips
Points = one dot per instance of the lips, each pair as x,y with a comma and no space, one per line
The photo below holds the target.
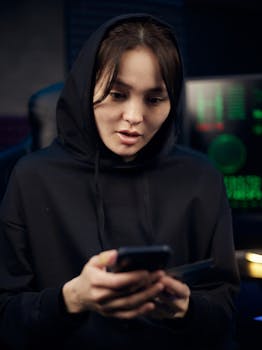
129,133
128,137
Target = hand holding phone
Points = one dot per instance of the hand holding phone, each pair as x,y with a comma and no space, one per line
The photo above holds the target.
156,257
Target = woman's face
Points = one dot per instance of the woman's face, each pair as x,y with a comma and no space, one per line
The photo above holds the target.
136,106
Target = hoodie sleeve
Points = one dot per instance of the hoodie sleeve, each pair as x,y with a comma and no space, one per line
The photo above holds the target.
211,313
27,315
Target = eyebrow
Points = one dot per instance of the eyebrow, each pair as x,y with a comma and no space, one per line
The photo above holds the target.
120,83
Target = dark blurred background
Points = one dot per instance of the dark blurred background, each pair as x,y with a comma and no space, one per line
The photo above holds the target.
39,40
32,53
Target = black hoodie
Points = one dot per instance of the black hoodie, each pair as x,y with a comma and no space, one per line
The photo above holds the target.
75,198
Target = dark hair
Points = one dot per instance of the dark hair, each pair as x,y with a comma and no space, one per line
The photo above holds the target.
140,32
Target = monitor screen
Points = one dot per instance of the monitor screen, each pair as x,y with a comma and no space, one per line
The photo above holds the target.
223,118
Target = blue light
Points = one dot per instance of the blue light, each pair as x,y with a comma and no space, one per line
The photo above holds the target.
258,318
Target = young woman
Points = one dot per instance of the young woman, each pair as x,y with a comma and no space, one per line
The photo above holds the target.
115,176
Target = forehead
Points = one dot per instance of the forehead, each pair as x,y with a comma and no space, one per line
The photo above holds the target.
140,66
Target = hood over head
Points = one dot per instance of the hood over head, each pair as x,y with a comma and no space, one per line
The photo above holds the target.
76,126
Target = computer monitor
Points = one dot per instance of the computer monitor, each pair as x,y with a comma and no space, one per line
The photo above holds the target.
223,118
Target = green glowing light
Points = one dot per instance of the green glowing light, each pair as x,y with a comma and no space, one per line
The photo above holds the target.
257,113
244,191
210,109
236,102
228,153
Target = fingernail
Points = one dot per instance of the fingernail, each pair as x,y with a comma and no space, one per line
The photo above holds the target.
103,258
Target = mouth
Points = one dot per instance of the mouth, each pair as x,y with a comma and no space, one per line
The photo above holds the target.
129,133
128,137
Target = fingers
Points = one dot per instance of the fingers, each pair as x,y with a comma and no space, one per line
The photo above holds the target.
132,305
120,285
135,299
122,294
122,280
174,288
173,301
134,280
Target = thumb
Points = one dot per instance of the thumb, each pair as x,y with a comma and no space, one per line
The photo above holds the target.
104,259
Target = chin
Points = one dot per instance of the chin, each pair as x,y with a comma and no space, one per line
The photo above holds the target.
126,153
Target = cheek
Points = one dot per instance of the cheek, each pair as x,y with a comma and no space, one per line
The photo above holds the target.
155,122
100,124
97,118
101,116
105,114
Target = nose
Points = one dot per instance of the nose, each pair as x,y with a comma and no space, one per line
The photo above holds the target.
133,112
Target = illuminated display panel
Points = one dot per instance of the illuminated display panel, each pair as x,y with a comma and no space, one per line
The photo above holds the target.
223,118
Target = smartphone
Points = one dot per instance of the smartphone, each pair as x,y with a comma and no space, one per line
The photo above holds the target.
154,257
194,272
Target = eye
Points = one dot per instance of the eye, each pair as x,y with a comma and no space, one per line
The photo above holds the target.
155,100
117,95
